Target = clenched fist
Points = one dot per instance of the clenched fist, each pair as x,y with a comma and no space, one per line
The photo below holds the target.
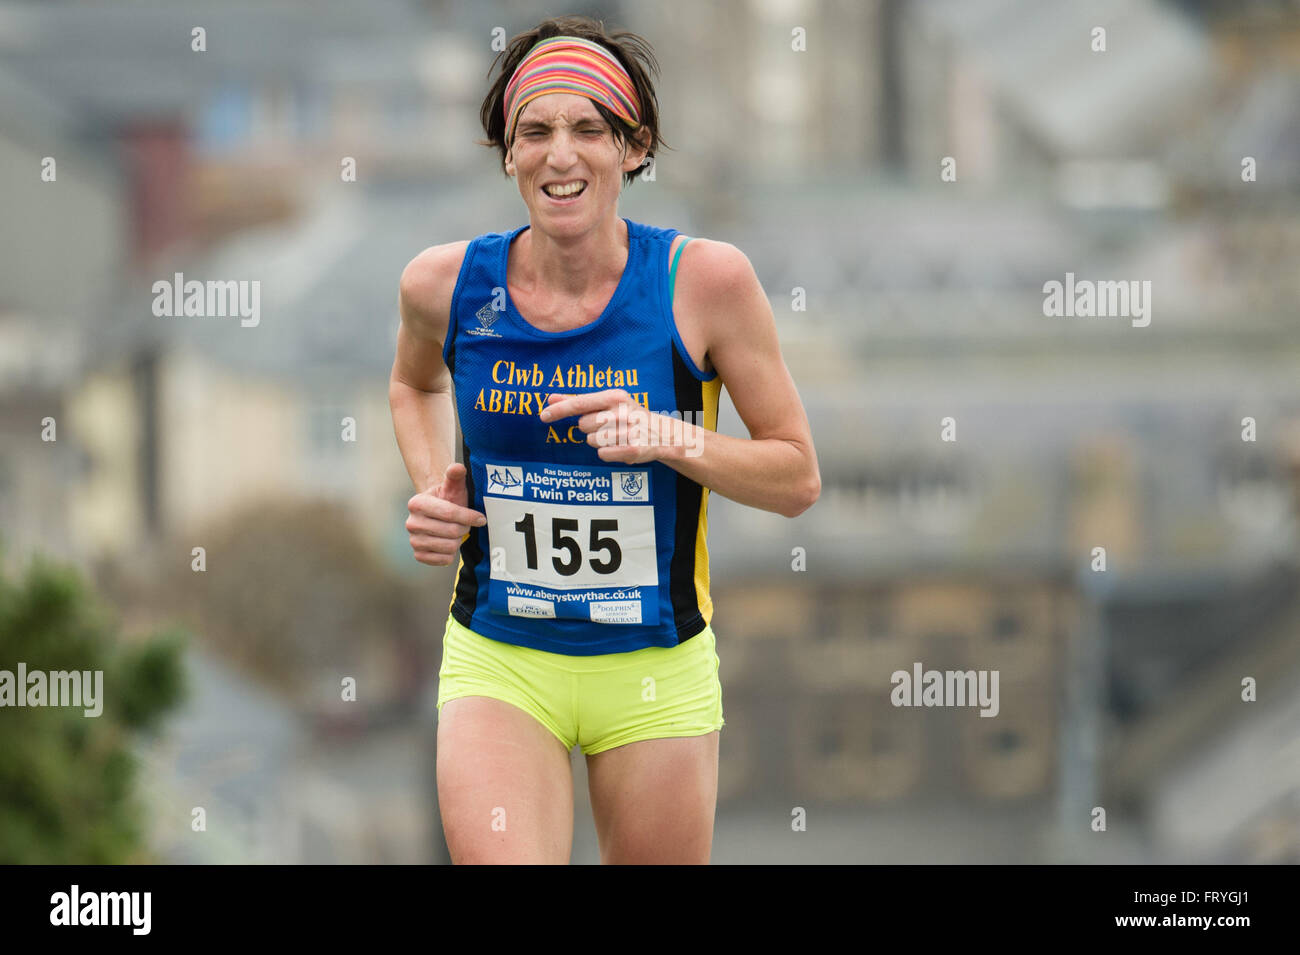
440,519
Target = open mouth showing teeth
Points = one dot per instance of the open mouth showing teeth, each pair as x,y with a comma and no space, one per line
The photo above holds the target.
570,191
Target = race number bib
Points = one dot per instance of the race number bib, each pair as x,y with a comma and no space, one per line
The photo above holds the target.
572,541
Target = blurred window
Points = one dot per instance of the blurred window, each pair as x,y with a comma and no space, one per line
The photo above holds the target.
226,121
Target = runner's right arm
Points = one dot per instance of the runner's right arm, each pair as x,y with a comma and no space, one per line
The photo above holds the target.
422,403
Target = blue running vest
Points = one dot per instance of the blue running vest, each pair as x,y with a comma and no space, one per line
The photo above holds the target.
579,556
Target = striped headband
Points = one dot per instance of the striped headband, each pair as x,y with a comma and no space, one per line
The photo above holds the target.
570,64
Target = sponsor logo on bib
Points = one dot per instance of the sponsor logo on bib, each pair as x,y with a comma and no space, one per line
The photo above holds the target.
629,486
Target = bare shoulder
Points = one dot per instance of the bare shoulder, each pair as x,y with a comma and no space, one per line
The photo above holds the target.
709,267
719,303
426,287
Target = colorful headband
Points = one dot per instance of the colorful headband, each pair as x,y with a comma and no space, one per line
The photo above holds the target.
570,64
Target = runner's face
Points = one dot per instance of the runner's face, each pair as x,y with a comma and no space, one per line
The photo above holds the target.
562,138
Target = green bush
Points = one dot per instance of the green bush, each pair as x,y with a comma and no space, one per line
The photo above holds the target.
66,779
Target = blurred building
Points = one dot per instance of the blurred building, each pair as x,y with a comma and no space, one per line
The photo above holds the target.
1027,94
267,99
65,209
930,305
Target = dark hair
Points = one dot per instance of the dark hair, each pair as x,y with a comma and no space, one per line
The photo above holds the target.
630,49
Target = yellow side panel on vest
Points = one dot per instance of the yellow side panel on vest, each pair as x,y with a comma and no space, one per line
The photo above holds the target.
711,390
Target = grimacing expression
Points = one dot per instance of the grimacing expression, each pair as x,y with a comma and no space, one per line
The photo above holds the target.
562,140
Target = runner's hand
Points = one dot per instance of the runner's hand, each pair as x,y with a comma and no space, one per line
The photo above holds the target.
440,519
619,428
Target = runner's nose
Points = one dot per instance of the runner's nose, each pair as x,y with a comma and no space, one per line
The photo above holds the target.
562,154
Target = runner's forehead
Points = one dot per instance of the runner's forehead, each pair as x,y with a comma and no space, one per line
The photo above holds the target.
555,108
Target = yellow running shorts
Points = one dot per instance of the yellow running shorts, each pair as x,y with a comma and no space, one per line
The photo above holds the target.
598,702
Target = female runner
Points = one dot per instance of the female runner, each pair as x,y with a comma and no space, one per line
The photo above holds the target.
583,354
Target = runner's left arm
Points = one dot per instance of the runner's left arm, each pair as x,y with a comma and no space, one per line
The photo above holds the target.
775,469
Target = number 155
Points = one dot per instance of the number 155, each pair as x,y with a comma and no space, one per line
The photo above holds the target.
560,541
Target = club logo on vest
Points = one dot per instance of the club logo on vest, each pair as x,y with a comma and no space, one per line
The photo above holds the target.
506,480
486,316
629,486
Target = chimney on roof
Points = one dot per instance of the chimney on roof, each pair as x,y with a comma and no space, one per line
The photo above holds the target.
157,157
